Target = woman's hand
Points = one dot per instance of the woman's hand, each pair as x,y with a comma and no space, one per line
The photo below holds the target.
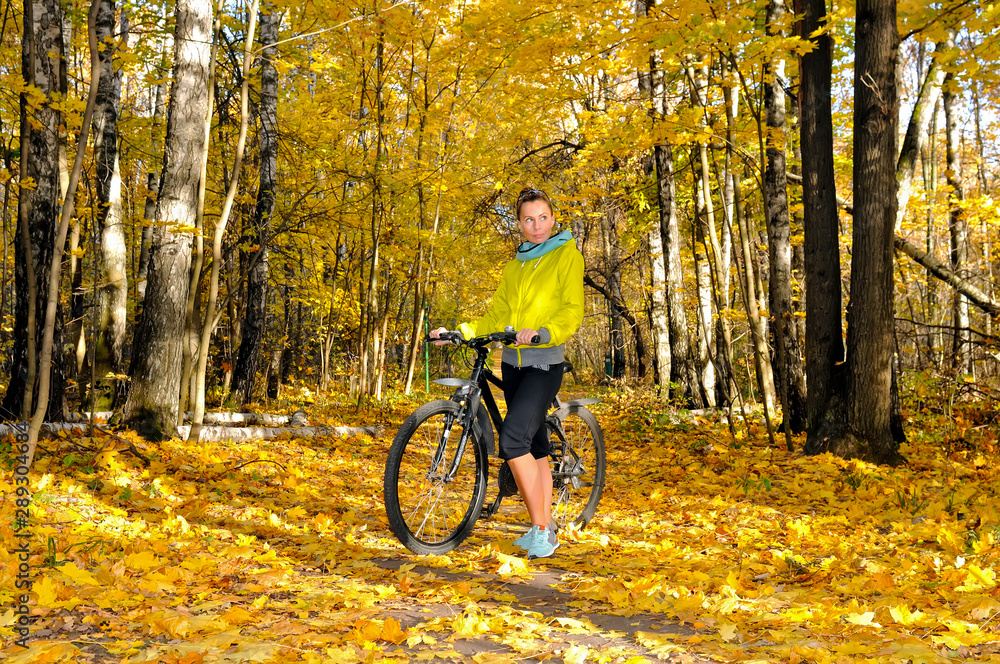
525,336
434,334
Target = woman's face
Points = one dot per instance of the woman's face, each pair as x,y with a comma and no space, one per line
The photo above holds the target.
536,221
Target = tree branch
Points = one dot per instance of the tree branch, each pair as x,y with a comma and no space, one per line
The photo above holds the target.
935,267
563,143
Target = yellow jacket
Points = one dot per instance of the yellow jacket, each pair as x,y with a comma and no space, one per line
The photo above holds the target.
544,294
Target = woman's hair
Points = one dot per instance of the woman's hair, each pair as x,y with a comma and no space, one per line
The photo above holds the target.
527,195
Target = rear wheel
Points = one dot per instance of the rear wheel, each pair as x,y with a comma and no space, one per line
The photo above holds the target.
577,468
428,512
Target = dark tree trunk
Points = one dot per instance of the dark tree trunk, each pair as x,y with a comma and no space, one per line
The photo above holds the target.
870,341
38,208
254,325
824,338
791,382
152,402
113,293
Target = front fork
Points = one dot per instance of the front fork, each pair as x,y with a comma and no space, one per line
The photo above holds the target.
467,416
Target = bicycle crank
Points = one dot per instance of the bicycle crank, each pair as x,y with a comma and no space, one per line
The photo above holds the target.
505,480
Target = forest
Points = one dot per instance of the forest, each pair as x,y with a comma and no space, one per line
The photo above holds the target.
790,231
221,202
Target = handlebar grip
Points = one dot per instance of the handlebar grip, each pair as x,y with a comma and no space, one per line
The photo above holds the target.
535,339
453,337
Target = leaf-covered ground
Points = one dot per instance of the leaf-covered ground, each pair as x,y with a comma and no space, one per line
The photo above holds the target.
704,549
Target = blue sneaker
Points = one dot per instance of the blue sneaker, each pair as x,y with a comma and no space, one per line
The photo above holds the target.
524,541
543,544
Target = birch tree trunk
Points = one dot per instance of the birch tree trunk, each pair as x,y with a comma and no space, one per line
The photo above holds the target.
958,232
758,332
650,82
659,322
704,219
788,352
65,216
112,297
679,368
929,168
41,59
254,325
370,341
920,119
683,373
152,404
981,178
211,316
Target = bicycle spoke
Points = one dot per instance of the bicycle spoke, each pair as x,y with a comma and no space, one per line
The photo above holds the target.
578,476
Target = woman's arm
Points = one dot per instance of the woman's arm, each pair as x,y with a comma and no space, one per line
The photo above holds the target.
567,320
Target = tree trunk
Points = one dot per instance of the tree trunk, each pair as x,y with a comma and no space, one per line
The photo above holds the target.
211,316
935,342
65,216
113,289
278,351
659,321
152,402
651,84
293,349
788,352
758,331
870,340
683,373
958,232
78,329
824,341
704,220
678,369
920,119
41,57
152,190
987,244
193,321
254,325
611,250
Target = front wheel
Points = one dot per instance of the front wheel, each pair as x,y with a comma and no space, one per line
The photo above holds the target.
578,466
427,511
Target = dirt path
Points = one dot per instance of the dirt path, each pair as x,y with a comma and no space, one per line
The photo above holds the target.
611,635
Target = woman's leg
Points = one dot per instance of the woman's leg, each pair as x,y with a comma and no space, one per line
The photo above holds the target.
524,440
531,483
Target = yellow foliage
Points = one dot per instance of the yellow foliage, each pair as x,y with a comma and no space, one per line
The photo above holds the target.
697,564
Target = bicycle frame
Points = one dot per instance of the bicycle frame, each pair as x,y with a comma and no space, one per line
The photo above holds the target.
474,393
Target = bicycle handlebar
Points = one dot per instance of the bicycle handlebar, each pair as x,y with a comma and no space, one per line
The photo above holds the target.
508,337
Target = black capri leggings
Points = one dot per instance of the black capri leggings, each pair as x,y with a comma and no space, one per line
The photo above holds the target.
529,392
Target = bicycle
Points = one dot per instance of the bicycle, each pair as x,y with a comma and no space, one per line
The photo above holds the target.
434,495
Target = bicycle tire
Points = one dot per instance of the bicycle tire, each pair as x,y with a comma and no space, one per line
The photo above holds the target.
426,514
578,471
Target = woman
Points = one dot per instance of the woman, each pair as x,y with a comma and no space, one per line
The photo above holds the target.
540,293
